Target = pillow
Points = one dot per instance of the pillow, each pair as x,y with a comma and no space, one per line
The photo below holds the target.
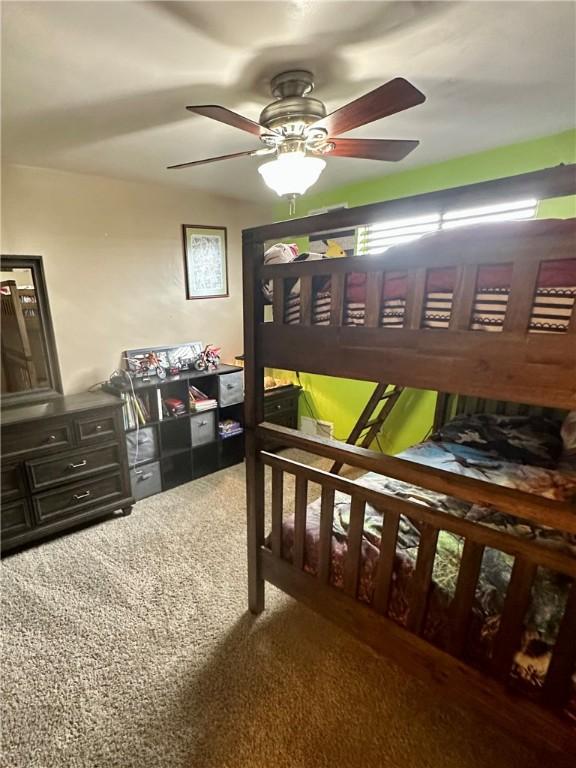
568,433
521,439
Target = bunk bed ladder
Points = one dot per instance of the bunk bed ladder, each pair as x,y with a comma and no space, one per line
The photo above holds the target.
371,420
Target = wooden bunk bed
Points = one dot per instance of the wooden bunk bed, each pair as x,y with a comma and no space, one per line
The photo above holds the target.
517,366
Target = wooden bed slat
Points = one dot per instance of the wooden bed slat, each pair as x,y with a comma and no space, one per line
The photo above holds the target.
558,683
540,370
572,323
337,295
521,299
374,283
300,500
463,297
422,578
560,515
354,546
516,603
415,296
386,561
278,301
506,542
461,607
306,300
277,505
325,544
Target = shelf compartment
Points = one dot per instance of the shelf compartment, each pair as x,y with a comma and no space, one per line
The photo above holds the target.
205,459
174,435
176,469
231,451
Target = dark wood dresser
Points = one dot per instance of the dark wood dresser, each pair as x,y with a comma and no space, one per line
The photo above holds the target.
64,463
281,406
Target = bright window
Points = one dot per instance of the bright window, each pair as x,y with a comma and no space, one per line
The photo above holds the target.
377,238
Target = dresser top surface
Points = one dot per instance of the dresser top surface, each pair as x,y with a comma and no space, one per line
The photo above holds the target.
59,406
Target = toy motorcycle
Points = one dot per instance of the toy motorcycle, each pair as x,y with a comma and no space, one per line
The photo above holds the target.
209,358
147,365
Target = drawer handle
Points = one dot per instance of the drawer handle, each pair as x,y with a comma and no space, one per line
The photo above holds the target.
77,466
50,439
99,428
145,476
202,423
79,496
229,386
278,407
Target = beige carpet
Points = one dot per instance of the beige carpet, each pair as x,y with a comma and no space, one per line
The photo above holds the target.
128,644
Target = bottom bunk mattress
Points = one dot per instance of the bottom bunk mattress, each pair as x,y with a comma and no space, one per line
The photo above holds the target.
550,589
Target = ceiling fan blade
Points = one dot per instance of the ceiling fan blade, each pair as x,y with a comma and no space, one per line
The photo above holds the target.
250,152
391,150
388,99
224,115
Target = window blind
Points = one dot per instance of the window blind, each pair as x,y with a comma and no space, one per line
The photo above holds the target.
377,238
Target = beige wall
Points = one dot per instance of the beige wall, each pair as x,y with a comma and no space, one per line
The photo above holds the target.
114,264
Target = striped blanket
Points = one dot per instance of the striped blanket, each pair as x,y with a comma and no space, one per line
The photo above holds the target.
554,298
552,308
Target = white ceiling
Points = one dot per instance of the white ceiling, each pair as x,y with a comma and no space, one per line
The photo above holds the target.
100,87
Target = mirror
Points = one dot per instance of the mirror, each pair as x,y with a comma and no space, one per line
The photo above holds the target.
30,369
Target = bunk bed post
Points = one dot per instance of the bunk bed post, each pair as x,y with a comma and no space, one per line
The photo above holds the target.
252,258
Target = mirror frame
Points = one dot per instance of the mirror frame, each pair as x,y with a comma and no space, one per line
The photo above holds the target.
35,264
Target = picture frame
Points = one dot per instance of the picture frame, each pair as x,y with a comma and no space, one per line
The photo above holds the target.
205,261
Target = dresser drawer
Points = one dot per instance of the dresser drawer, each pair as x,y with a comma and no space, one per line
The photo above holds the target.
284,419
45,473
203,428
36,439
13,485
76,498
276,406
16,518
96,428
231,388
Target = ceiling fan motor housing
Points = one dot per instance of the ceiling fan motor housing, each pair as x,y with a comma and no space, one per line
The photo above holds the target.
293,109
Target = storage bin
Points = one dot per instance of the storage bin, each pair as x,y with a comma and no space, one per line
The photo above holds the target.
142,444
146,480
231,388
203,427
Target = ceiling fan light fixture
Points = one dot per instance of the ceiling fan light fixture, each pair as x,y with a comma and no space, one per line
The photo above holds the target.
292,173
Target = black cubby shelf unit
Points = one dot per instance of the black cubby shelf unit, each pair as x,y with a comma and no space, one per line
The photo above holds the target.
178,443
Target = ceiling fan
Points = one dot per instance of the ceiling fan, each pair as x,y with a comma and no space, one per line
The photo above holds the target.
298,131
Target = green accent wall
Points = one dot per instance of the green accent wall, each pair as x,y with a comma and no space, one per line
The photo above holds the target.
340,400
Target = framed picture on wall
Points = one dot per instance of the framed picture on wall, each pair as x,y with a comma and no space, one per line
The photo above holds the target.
205,261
